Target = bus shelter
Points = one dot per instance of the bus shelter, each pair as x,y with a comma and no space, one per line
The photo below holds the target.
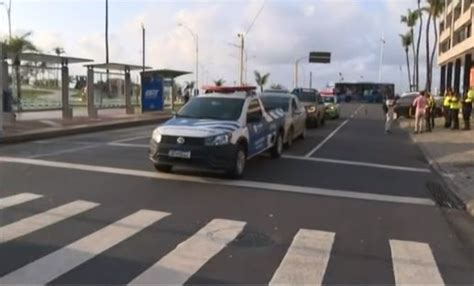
117,83
167,78
25,70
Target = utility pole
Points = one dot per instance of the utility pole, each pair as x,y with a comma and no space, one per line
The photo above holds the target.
297,62
242,47
381,57
8,9
196,43
143,47
310,79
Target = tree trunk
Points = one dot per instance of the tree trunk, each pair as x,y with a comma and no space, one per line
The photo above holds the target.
408,67
261,88
420,31
18,85
106,48
427,84
433,52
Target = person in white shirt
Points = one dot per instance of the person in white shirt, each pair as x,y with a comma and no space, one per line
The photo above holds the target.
390,112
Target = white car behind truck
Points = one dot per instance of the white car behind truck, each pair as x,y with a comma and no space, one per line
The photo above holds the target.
218,131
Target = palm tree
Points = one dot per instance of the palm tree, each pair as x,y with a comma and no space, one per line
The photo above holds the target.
407,41
16,46
411,19
261,80
219,82
58,51
420,31
436,9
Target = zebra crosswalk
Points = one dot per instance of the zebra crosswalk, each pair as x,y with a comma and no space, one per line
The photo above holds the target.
305,261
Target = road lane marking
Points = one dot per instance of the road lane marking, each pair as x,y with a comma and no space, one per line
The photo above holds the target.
188,257
14,200
212,181
414,263
50,267
131,139
306,260
128,145
357,163
65,151
42,220
320,145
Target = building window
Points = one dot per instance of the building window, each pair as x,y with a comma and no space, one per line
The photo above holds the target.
441,26
467,5
457,11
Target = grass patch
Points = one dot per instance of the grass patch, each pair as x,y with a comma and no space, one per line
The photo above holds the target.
32,94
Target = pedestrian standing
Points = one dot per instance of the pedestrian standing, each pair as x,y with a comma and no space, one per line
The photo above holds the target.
390,112
455,106
430,112
467,108
420,104
446,108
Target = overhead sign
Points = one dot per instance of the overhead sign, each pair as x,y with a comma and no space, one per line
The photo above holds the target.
152,93
320,57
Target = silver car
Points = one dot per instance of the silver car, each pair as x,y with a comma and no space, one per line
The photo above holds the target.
295,114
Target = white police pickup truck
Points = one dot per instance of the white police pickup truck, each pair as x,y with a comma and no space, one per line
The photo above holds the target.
218,131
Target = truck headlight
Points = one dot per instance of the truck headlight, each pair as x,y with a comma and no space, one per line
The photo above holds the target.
311,109
156,136
218,140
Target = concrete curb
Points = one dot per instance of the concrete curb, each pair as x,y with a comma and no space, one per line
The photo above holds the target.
467,201
80,129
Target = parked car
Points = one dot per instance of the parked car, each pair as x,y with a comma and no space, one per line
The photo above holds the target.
218,130
404,105
314,106
295,114
331,105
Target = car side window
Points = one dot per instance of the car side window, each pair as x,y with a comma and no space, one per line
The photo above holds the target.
320,99
254,112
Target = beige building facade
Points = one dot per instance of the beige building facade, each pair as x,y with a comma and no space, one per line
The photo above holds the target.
456,45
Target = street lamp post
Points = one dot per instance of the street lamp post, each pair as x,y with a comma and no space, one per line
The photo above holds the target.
9,12
242,48
196,42
297,62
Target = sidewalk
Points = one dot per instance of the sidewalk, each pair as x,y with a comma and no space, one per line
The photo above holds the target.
451,153
42,125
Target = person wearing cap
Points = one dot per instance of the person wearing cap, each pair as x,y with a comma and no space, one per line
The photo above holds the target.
455,106
467,108
430,112
446,108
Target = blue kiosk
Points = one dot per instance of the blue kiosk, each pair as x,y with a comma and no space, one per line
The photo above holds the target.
154,85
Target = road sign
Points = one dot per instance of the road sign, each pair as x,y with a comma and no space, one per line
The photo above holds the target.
320,57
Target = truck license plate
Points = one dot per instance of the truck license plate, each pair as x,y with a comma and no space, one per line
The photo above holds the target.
179,154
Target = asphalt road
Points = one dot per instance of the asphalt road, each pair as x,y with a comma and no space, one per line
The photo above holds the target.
348,205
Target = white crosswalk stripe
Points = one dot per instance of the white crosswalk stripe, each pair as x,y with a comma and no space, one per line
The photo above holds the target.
414,264
42,220
14,200
65,259
306,260
180,264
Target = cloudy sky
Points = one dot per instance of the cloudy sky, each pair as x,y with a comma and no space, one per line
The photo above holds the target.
284,31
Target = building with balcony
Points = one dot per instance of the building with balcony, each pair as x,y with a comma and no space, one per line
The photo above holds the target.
456,45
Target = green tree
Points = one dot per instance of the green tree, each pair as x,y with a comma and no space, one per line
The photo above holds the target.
16,46
411,19
434,9
58,51
219,82
261,80
407,40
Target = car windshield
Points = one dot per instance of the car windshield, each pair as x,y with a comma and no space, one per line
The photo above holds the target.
275,102
329,99
212,108
305,96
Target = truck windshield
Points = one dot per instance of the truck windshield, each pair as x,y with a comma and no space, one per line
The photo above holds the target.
275,102
212,108
305,96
